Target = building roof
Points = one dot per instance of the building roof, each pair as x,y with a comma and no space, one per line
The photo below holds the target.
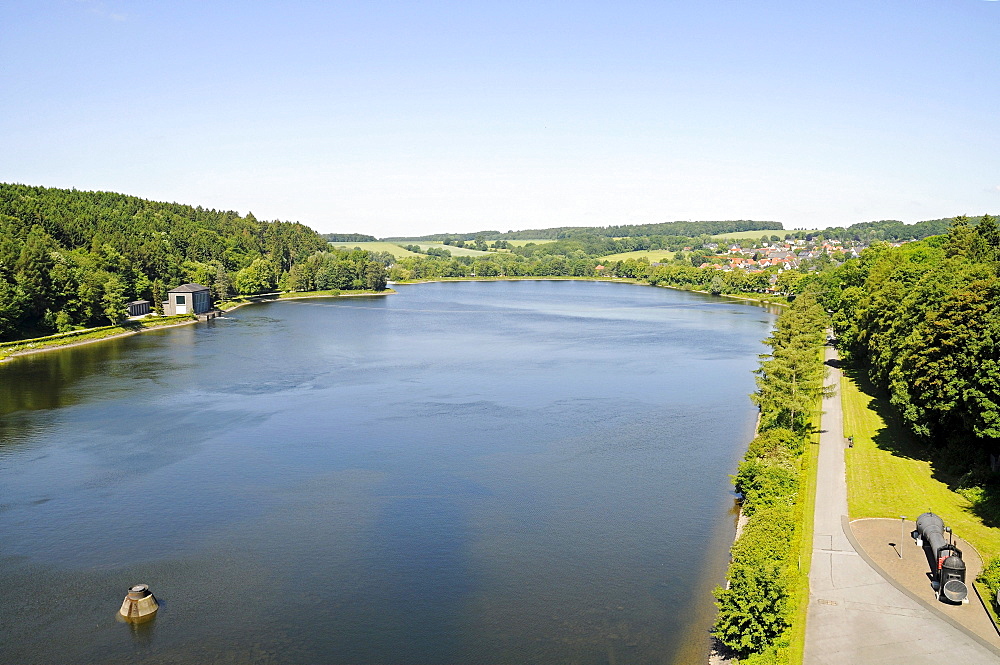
139,302
188,288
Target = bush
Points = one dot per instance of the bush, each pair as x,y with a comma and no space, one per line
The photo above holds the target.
991,576
753,610
757,607
763,484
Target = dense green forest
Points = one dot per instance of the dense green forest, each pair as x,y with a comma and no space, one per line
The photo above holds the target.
70,259
924,318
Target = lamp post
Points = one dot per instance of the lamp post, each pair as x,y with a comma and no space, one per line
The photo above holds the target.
902,534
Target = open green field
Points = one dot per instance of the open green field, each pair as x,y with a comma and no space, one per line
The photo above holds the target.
390,247
522,243
455,251
755,235
399,252
889,475
654,255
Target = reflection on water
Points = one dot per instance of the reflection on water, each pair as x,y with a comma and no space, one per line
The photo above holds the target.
463,472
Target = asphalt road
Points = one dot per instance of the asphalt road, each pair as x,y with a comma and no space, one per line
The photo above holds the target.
855,616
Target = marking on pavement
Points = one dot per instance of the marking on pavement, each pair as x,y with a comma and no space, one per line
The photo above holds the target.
832,551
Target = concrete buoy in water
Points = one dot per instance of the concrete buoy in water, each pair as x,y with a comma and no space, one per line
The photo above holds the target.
139,605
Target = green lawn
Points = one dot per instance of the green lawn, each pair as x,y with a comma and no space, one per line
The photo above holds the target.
399,252
654,255
522,243
455,251
889,475
390,247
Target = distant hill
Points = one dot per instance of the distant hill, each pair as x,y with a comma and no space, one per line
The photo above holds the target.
889,230
688,229
348,237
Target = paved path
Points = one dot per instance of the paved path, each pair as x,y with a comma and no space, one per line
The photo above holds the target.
855,616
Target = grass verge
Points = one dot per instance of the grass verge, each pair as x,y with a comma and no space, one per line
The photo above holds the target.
805,513
889,474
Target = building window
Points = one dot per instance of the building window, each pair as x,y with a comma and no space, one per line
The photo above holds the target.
180,300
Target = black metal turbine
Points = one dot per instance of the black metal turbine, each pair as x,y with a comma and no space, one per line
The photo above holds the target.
948,569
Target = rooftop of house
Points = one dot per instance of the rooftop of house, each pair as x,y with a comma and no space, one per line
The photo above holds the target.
188,288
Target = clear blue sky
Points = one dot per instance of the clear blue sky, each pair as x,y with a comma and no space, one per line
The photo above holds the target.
403,118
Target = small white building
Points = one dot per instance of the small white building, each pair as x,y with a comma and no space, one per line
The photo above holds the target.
188,299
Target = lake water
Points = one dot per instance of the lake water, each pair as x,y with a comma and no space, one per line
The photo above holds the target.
477,472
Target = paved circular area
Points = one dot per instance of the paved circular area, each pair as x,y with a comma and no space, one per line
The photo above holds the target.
887,543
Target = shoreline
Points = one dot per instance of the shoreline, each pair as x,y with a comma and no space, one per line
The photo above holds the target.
306,295
617,280
128,333
83,342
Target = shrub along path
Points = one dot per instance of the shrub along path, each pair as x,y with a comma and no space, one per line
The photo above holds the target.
855,616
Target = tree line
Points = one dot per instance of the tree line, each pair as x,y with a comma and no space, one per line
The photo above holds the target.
571,258
348,237
687,229
761,599
888,230
71,259
923,321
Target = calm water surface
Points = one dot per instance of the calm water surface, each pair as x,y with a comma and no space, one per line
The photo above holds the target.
509,472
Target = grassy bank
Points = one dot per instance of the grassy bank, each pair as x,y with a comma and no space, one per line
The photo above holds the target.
75,337
889,474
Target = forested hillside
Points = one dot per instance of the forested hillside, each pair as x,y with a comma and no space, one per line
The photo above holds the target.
70,258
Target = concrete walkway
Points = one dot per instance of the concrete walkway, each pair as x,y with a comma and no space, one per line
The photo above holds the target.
855,616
